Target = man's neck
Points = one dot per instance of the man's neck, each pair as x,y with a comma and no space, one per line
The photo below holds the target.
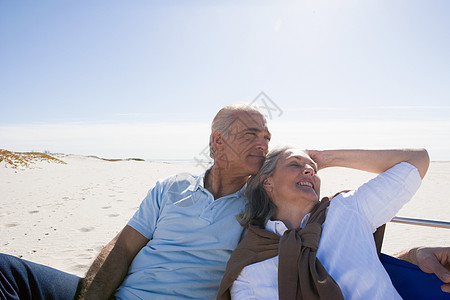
221,182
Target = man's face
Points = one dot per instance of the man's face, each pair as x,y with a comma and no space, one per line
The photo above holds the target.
247,143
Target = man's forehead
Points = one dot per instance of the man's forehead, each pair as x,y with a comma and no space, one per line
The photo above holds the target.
255,120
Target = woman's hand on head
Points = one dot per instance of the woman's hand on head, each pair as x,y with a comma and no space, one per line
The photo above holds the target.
319,157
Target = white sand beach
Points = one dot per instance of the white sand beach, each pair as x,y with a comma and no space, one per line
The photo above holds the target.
62,215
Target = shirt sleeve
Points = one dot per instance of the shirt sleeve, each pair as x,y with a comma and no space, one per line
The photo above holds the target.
382,197
145,218
241,288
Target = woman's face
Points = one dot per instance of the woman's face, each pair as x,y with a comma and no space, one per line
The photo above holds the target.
294,181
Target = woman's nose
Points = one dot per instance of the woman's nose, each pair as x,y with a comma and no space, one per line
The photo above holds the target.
308,170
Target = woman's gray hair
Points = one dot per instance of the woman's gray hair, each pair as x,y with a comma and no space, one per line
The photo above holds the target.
226,117
260,208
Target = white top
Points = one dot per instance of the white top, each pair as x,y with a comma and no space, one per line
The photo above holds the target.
346,249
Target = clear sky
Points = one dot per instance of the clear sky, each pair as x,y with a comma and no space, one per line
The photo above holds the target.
145,78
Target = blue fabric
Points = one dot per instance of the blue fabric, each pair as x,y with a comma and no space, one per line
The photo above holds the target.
21,279
410,282
191,238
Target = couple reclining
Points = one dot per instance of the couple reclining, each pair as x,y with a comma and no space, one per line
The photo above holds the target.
177,244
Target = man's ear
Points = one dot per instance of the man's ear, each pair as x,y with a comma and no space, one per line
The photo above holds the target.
268,184
217,140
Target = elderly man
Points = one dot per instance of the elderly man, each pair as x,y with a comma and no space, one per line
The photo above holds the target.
184,231
177,244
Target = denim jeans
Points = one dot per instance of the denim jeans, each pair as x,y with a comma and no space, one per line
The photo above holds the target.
21,279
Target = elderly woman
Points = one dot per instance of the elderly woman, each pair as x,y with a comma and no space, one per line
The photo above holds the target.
298,247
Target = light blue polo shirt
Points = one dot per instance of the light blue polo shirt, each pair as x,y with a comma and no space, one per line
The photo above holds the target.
191,239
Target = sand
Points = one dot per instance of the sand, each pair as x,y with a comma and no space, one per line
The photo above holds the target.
62,215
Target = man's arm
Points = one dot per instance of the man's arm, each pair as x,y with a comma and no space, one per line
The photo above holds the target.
111,266
431,260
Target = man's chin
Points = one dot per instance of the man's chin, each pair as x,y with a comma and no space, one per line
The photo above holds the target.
254,169
250,170
255,163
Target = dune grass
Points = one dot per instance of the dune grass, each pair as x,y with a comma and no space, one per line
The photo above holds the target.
25,159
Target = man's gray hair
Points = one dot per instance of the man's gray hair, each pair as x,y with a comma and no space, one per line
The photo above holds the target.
226,117
260,208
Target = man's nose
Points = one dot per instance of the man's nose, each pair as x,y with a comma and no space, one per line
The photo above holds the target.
263,144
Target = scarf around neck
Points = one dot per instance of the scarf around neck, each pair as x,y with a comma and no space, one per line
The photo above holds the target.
300,274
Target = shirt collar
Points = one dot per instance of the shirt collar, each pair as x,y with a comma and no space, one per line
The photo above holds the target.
279,227
200,183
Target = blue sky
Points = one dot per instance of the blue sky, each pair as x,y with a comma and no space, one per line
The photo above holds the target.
145,78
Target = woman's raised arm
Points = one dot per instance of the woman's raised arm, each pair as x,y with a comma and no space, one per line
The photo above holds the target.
375,161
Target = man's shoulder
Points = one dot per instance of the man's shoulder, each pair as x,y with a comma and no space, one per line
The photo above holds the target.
181,181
